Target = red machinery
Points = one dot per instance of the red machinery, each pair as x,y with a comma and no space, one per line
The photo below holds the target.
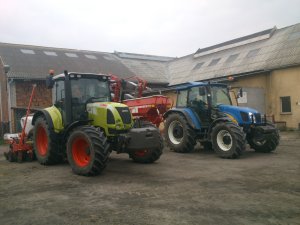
149,108
20,147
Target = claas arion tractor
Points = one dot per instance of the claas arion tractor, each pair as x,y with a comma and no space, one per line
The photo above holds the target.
84,126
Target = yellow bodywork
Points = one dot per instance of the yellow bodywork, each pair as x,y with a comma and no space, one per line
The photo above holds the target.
56,118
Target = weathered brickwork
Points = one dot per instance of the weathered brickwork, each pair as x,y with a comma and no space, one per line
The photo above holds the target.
41,99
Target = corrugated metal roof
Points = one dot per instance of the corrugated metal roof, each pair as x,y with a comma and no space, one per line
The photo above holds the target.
266,50
34,62
279,50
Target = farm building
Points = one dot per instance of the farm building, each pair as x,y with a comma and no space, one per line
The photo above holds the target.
266,64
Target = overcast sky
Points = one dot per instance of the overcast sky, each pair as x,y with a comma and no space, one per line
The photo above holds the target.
158,27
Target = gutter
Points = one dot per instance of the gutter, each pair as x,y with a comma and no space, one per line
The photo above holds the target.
9,103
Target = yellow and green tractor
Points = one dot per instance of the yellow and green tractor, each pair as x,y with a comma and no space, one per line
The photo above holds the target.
84,126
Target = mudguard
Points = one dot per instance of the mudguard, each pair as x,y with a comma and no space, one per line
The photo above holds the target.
53,118
189,114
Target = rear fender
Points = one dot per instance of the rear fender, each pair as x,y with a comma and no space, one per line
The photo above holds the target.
189,114
52,116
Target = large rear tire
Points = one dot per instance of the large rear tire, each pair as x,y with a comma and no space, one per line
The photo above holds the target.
87,151
265,143
179,135
228,140
45,143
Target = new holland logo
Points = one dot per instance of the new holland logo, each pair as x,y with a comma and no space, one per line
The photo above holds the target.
124,110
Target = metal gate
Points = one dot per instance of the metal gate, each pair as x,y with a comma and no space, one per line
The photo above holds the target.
253,98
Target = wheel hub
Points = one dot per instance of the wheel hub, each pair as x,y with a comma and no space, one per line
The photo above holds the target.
178,132
227,140
224,140
81,152
175,132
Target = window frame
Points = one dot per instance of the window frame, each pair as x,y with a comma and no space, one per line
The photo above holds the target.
281,105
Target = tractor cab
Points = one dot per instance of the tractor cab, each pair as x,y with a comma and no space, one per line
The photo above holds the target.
203,99
73,91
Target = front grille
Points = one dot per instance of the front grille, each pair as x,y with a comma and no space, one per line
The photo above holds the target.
125,114
110,117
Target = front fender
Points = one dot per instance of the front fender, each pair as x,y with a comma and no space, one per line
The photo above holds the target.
189,114
218,120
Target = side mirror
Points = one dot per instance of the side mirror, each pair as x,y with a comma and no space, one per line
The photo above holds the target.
49,82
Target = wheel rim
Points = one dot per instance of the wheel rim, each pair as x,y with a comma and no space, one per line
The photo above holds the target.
81,152
224,140
42,141
141,153
259,139
175,132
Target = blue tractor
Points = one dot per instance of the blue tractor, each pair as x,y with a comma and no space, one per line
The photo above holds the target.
204,113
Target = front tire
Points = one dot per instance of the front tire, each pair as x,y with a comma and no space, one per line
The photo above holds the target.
228,140
179,135
45,143
264,143
87,151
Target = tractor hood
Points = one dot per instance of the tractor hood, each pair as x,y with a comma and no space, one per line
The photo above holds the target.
241,115
112,117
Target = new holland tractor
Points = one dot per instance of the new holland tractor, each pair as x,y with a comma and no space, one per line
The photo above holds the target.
204,112
84,126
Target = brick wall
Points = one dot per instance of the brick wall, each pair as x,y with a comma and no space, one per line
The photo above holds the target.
41,99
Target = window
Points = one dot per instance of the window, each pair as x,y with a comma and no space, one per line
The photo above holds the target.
198,66
220,96
253,53
27,51
50,53
182,98
108,57
59,90
197,95
286,104
214,62
91,56
231,58
72,55
295,36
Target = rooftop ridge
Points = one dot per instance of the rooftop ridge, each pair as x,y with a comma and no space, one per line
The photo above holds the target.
262,35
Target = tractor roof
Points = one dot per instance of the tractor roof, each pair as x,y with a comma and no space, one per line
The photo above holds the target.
189,85
81,74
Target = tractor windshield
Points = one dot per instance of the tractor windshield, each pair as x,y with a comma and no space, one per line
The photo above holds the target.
219,95
90,89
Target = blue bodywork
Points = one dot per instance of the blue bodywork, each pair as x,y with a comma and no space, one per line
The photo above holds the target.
243,115
250,115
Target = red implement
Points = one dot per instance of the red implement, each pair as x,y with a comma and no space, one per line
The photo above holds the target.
20,148
149,108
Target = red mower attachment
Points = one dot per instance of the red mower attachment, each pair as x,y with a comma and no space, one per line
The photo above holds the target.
20,146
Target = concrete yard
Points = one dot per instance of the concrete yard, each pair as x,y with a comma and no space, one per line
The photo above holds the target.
195,188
